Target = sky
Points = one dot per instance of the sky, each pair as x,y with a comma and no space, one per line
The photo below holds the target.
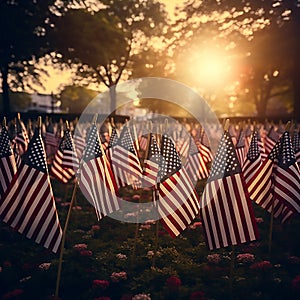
57,77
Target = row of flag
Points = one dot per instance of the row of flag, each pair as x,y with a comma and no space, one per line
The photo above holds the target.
251,164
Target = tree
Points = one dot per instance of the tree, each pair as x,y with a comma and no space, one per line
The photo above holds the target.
104,39
264,35
23,40
74,99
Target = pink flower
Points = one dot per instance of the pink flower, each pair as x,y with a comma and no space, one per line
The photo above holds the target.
95,227
173,283
121,256
44,266
86,253
100,283
145,226
294,260
261,266
12,294
136,197
195,225
118,276
296,283
259,220
197,296
214,258
245,258
80,246
77,207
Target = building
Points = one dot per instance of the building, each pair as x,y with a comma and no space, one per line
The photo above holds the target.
44,103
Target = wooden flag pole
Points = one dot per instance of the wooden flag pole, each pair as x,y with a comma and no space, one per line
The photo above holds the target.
76,183
64,239
137,216
287,128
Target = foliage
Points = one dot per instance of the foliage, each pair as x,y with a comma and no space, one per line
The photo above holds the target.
106,259
74,99
260,36
23,41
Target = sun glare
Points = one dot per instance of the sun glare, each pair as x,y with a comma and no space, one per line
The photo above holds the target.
212,68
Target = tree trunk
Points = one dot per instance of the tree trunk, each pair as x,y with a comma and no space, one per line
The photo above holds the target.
5,90
113,99
296,65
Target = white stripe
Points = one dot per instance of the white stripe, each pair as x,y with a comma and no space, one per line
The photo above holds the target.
245,208
33,205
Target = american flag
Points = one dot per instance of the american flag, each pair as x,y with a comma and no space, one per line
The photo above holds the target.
296,145
240,147
151,163
261,146
57,170
79,139
51,140
21,139
225,207
96,179
125,157
248,135
69,159
122,178
204,147
178,203
142,142
276,184
233,133
253,159
270,140
195,165
28,204
7,161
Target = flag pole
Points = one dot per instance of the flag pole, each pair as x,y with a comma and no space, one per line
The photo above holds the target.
137,216
287,128
156,198
65,232
64,239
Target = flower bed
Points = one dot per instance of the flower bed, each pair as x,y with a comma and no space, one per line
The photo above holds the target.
108,260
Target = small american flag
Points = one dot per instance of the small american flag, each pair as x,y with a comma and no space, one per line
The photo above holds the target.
125,156
57,170
70,159
276,184
204,147
225,207
296,145
195,165
178,203
28,204
97,181
240,147
253,159
151,163
122,178
21,139
7,162
270,140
